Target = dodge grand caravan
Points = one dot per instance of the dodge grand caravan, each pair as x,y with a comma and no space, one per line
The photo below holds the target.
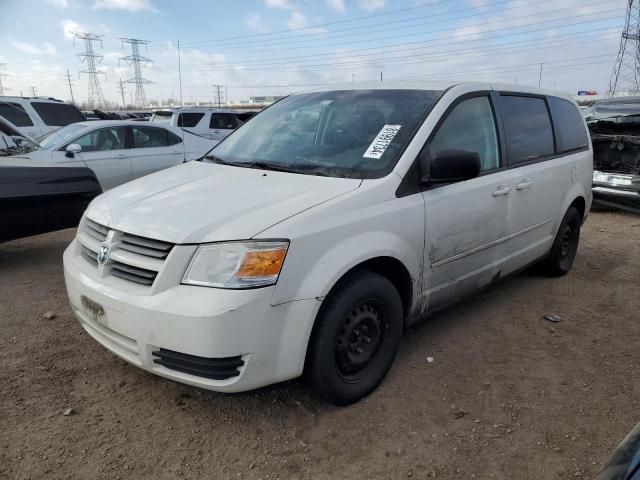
311,237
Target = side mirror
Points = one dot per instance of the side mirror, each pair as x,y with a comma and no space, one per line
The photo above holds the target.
449,166
72,149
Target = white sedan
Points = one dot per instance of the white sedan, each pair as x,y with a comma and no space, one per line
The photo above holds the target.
117,151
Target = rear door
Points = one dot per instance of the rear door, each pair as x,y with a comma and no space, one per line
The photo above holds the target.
466,222
542,176
222,124
153,149
103,151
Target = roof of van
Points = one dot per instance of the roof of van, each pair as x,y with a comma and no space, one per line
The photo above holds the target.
435,85
14,99
195,109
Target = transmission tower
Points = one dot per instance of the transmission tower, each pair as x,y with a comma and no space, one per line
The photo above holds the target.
3,75
95,97
137,61
626,71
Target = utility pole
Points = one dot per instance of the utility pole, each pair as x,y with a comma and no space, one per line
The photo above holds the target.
380,77
625,76
121,90
540,76
2,87
180,75
33,91
137,61
70,85
218,94
95,97
353,77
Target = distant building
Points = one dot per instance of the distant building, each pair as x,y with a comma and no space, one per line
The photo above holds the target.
265,98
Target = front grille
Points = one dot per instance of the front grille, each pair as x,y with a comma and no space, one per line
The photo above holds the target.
132,258
211,368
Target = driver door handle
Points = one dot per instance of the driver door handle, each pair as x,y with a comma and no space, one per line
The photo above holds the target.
524,184
501,190
120,155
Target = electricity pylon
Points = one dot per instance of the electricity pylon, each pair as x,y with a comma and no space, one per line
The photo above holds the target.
626,71
137,61
95,97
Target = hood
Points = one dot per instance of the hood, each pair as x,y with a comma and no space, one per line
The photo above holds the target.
38,158
10,129
204,202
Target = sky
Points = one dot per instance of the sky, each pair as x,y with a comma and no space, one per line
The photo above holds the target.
275,47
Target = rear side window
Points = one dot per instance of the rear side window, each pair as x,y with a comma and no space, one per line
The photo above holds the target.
190,119
568,123
528,128
149,137
223,121
15,114
57,114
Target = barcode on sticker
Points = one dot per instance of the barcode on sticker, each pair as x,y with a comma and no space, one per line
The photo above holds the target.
382,141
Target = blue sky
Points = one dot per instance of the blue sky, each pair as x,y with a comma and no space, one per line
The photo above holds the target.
257,47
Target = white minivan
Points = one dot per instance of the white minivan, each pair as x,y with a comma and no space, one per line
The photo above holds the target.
309,239
212,123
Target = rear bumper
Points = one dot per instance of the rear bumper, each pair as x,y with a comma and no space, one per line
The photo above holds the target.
195,335
617,190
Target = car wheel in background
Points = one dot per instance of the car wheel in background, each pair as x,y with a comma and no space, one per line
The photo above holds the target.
565,245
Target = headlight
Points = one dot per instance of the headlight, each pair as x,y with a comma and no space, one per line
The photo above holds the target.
236,264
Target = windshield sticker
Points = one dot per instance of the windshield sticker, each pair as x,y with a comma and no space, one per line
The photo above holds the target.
382,141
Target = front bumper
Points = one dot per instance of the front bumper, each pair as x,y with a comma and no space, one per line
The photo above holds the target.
205,322
617,190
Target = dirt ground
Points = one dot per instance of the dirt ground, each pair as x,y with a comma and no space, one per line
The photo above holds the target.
508,396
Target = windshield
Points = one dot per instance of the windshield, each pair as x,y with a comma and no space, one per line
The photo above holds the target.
345,133
56,138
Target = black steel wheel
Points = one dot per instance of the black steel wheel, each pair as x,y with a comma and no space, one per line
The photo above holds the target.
355,338
565,246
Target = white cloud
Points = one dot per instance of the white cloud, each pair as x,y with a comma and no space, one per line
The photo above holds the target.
337,5
283,4
70,27
129,5
372,4
59,3
297,20
254,21
27,48
49,49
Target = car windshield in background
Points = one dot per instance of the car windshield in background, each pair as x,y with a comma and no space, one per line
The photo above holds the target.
60,136
57,114
346,133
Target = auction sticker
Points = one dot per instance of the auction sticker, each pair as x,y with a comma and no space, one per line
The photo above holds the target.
382,141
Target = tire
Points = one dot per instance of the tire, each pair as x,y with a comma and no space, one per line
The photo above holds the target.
565,246
355,338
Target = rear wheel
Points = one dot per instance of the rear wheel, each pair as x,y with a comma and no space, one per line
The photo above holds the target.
356,338
565,246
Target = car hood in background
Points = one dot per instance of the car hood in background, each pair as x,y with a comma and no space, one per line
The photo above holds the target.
39,158
205,202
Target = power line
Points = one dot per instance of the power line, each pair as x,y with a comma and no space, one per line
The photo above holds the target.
136,60
95,96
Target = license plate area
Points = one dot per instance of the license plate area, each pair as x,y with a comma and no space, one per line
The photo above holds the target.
93,308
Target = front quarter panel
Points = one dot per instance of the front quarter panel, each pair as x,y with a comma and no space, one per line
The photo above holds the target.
331,239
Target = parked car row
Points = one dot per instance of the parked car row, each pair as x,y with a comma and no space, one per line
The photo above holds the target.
36,116
213,123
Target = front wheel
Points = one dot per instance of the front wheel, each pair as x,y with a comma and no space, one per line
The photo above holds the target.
565,246
356,338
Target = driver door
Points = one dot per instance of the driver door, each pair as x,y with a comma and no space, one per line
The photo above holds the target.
104,152
466,222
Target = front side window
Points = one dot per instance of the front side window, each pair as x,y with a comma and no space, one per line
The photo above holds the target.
569,126
149,137
528,128
57,114
224,121
189,119
15,114
102,140
341,133
470,126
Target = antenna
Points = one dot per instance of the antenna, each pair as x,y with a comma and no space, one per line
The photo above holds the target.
137,61
625,76
70,83
95,96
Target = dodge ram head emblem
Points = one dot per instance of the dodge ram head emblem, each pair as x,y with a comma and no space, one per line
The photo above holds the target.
103,254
